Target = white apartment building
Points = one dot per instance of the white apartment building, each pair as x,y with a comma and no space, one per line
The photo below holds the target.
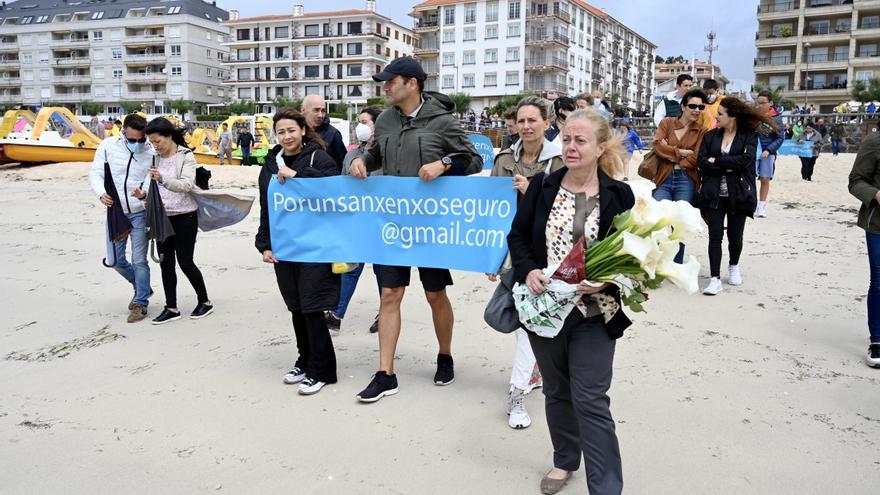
333,54
144,51
493,48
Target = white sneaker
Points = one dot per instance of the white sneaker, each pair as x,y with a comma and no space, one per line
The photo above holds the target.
734,277
714,286
761,211
310,386
516,409
295,375
873,358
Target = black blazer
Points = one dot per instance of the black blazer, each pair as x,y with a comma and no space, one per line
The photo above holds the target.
527,240
738,166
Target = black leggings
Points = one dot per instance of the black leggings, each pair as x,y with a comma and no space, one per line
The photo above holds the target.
181,245
736,225
807,165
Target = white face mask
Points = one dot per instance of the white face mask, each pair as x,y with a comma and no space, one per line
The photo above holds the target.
712,98
363,132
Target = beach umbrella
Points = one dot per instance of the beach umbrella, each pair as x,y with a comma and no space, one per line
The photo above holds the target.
158,226
118,225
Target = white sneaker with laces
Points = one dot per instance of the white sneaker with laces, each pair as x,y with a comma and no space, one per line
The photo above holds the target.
714,287
735,277
310,386
295,375
873,358
761,211
516,409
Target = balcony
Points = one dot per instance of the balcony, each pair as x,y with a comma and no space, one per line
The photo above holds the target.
75,79
546,63
73,61
537,13
867,30
539,38
235,59
827,61
825,34
144,40
143,58
839,85
8,47
146,95
7,82
332,33
864,59
70,42
542,86
71,95
427,26
10,64
828,7
427,49
10,98
144,76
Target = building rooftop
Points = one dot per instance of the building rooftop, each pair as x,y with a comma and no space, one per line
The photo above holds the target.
44,11
284,17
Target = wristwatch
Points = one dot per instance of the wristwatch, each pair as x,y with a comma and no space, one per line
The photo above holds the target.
447,163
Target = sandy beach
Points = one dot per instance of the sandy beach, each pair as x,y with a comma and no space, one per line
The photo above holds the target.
760,390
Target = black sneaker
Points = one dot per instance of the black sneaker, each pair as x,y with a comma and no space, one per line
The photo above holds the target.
374,328
873,358
165,316
201,311
445,373
381,386
334,323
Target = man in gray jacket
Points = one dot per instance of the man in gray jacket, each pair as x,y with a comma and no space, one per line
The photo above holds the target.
418,137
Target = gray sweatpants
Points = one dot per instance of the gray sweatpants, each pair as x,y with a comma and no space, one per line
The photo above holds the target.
227,152
576,366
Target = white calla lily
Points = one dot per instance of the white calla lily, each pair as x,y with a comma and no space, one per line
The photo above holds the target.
636,246
646,215
685,275
641,187
685,220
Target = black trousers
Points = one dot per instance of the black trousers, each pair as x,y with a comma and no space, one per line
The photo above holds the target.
736,225
313,342
576,366
807,165
180,248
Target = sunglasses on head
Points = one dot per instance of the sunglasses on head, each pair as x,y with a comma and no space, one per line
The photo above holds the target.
694,106
133,140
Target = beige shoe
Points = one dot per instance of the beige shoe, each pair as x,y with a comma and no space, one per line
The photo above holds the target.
550,486
138,312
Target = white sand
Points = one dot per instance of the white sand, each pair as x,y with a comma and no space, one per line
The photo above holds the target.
762,389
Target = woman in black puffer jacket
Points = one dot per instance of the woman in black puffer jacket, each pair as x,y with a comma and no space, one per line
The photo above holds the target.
308,289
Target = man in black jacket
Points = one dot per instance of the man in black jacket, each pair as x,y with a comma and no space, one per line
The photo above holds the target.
245,141
314,108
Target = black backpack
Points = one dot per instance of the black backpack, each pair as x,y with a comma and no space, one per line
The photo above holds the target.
203,175
673,108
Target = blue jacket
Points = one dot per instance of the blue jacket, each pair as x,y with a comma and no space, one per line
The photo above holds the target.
631,141
772,141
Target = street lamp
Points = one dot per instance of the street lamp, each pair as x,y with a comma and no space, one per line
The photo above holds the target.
807,45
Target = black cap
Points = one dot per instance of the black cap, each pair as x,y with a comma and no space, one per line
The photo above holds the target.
403,66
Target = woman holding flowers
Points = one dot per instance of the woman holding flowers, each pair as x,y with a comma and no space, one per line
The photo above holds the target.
576,202
727,171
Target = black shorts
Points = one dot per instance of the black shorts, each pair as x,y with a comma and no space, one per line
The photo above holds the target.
433,279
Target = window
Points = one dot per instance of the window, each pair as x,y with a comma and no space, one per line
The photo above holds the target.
470,13
117,73
174,32
208,72
209,91
513,30
99,73
490,79
513,10
313,90
449,15
312,30
449,59
312,51
116,53
29,92
244,93
27,58
513,54
512,78
174,10
448,81
41,19
282,73
355,28
491,11
100,91
467,80
354,48
177,70
98,54
44,74
355,90
243,34
449,35
470,34
43,39
492,31
244,74
116,35
175,89
116,91
355,69
312,71
469,57
175,50
27,75
45,92
208,54
44,57
864,75
97,15
282,32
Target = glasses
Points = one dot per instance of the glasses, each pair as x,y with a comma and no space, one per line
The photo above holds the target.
133,140
561,117
694,106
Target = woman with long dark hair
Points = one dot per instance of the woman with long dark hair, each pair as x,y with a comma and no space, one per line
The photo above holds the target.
308,289
727,173
174,168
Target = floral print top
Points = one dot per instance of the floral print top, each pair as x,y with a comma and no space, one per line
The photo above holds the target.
561,232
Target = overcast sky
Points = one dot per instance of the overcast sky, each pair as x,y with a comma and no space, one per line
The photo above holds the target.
678,30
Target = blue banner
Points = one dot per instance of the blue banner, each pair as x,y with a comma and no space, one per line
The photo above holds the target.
458,223
792,147
484,147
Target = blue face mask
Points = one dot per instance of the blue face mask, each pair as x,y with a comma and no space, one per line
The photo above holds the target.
136,147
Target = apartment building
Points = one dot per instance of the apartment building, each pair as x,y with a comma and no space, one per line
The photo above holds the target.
144,51
816,49
492,48
665,75
333,54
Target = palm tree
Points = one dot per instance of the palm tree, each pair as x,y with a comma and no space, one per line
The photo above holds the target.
462,102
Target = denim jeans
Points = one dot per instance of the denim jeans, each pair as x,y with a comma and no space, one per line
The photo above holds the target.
678,186
245,156
835,147
349,284
873,241
137,272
